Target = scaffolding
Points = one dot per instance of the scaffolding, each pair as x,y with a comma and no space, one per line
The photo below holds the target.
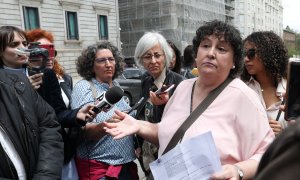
177,20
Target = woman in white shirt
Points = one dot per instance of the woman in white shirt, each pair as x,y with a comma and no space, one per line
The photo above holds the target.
265,72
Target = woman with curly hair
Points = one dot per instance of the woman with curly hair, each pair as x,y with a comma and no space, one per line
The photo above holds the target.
100,156
265,72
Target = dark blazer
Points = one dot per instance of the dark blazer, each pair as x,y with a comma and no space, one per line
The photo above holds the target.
147,85
282,160
51,92
67,86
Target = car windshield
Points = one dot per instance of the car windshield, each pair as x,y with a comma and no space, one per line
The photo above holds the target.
133,73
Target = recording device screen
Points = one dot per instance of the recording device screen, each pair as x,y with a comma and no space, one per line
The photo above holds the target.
39,55
293,90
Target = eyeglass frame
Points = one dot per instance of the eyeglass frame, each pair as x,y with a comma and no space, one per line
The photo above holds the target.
103,60
148,57
250,53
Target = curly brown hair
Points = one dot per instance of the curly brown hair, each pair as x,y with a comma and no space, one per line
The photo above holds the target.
85,62
230,34
37,34
270,48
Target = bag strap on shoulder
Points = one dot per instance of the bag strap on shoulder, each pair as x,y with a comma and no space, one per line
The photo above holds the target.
94,91
196,113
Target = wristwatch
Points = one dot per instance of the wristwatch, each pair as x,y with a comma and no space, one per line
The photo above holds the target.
240,172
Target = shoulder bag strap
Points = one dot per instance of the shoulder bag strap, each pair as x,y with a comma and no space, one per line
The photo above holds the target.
196,113
94,91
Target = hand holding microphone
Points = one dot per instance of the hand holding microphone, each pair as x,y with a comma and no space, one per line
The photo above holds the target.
106,100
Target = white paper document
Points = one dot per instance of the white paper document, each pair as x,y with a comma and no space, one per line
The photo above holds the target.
194,159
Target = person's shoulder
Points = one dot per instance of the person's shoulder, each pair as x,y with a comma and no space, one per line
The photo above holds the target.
8,75
240,85
242,90
83,83
67,77
187,82
177,78
49,74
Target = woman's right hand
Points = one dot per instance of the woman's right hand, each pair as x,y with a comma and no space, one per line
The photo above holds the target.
121,125
36,80
159,99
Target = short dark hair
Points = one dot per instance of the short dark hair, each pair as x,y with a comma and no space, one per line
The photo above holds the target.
270,48
85,62
177,67
188,57
7,36
230,35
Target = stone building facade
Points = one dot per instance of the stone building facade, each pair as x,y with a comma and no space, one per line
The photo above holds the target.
259,15
75,24
176,20
289,38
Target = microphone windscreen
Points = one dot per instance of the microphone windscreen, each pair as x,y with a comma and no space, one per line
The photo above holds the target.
114,94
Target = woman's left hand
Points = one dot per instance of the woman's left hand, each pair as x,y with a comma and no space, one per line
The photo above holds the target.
276,126
229,172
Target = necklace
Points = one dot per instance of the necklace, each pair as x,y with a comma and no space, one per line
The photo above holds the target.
191,105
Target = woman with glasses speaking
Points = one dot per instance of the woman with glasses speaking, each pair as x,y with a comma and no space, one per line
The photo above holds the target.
265,72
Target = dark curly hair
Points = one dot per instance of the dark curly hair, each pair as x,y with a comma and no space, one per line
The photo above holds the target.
272,52
230,34
85,62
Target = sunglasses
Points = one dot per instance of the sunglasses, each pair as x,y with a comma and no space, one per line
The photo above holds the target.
250,54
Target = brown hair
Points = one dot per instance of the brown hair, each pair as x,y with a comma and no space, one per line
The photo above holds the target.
7,35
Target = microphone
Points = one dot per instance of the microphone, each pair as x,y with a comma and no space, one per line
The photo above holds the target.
106,100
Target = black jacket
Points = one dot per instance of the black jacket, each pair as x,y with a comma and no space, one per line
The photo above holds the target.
147,85
31,125
282,159
67,85
50,90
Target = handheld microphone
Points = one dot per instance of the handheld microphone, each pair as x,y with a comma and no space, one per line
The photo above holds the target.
106,100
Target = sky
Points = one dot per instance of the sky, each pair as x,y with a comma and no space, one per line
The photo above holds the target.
291,14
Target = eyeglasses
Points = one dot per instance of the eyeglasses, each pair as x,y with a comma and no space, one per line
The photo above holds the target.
250,54
103,60
148,57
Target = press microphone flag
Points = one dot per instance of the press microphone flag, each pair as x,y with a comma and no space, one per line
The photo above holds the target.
106,100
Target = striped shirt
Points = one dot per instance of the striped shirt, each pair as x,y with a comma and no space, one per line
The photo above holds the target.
107,149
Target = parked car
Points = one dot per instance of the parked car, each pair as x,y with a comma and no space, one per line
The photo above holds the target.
130,81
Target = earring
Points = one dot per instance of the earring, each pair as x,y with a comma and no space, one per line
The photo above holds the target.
233,67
